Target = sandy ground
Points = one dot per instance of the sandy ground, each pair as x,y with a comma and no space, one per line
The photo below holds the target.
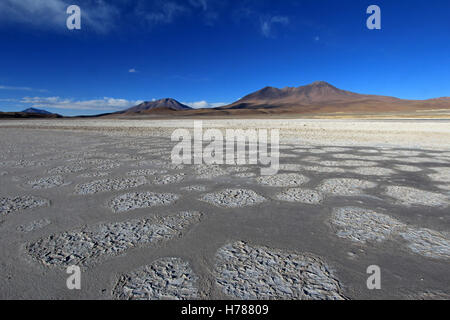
104,195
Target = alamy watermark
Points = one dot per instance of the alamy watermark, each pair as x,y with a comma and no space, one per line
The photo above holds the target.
374,21
73,22
236,147
73,282
374,280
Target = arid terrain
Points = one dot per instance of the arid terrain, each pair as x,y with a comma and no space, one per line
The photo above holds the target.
103,194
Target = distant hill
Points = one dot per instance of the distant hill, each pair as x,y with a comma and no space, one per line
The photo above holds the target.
30,113
37,111
26,115
158,106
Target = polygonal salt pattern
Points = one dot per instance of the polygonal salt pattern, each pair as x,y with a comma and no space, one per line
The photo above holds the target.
283,180
209,171
442,174
34,225
164,279
90,244
301,195
345,186
95,174
429,243
169,179
46,182
373,171
145,172
234,198
347,163
246,271
364,225
196,188
73,168
361,225
139,200
18,203
406,168
109,185
408,196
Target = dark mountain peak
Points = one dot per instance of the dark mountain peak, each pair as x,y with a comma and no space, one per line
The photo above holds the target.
161,104
36,111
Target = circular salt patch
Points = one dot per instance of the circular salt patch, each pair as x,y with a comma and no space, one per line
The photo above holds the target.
254,272
408,196
18,203
300,195
345,186
283,180
429,243
234,198
363,225
139,200
47,182
164,279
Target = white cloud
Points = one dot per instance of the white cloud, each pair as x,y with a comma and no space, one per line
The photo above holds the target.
132,70
104,104
268,22
21,89
204,104
9,100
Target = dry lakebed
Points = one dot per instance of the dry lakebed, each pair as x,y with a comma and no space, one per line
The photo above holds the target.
104,195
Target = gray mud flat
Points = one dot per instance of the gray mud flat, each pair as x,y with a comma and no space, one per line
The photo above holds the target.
142,228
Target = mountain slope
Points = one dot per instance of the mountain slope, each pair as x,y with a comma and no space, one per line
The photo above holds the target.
321,97
162,105
316,93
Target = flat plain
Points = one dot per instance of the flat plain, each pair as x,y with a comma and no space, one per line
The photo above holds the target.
104,195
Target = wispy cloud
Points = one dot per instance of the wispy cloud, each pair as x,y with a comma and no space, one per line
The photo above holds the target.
132,70
104,104
9,100
164,12
205,104
51,14
21,89
103,16
267,24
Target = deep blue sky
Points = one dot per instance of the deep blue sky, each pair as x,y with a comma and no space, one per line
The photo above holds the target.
215,51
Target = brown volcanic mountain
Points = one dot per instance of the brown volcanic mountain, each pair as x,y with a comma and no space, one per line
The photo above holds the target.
158,106
316,95
321,97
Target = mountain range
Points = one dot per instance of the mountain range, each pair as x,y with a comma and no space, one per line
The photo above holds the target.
317,98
